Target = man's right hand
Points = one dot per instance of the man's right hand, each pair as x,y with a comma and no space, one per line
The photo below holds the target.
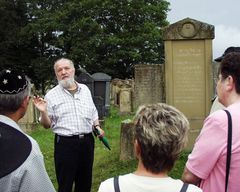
40,104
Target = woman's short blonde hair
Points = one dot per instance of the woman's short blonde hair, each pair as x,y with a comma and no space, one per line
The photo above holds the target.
161,132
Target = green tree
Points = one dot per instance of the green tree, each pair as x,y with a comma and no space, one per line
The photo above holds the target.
15,50
110,36
42,30
19,48
132,34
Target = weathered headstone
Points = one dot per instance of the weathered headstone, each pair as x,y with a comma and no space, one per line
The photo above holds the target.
114,91
126,140
149,84
99,103
125,106
87,79
188,70
102,89
28,122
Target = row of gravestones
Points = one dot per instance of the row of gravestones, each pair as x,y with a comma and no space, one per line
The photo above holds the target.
99,85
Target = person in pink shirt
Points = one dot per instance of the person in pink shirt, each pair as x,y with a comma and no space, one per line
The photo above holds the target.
206,165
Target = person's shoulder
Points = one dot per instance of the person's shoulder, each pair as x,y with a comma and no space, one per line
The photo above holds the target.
107,186
35,145
219,115
82,86
53,91
57,87
216,121
193,188
234,108
18,151
35,158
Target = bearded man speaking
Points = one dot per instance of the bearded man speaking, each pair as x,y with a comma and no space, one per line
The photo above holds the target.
68,109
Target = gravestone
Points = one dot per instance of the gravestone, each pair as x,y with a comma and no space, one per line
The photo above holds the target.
29,120
115,89
102,89
87,79
188,70
125,105
149,84
126,140
99,103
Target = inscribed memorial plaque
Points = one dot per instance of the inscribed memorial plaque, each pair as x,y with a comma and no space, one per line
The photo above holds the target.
189,77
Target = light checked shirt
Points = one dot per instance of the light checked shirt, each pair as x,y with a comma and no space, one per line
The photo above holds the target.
71,114
31,175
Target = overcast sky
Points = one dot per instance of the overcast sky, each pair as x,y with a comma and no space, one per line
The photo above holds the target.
224,15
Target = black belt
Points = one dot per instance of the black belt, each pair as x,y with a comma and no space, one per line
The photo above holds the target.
80,136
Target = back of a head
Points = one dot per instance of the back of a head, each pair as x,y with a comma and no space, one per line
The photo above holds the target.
161,132
14,87
230,65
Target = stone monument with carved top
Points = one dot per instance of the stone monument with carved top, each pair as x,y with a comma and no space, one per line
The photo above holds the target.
188,70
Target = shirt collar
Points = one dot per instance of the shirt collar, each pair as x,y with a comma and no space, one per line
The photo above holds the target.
9,122
78,87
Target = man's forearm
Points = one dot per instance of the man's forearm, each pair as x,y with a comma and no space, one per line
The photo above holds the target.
45,120
189,177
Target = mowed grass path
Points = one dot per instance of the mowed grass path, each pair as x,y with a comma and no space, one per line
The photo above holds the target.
106,163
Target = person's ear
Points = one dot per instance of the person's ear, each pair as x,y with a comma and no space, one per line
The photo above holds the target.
25,102
137,148
230,83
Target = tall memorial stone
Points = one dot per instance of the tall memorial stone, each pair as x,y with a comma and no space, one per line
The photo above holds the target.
188,70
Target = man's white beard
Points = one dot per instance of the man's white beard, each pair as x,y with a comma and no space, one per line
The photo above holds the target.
67,83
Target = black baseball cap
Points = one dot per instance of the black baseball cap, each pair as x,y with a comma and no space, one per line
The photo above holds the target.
228,50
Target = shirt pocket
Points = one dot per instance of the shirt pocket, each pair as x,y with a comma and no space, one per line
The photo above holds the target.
60,109
84,110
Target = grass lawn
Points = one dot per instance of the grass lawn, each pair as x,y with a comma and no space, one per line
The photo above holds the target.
106,163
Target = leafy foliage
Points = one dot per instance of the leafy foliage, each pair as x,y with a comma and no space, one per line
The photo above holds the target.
15,51
110,36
